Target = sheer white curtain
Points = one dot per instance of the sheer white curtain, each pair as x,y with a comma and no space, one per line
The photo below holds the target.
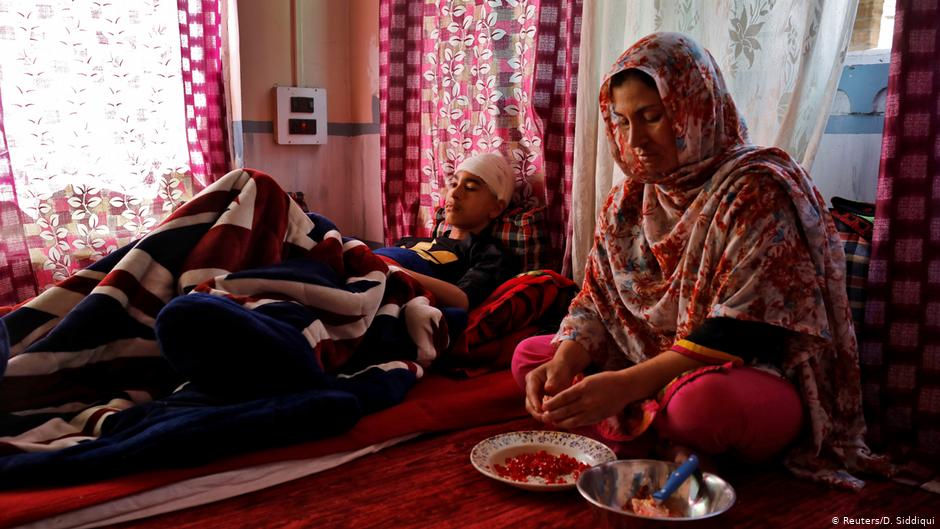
782,60
113,115
95,122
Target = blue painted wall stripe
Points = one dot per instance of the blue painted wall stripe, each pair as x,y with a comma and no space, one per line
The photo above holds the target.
332,129
855,124
256,127
238,143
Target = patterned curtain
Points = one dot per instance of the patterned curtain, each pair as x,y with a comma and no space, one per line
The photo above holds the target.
555,85
462,76
206,129
782,60
900,349
17,281
96,127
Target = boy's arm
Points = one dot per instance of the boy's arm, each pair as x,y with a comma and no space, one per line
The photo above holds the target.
489,268
447,294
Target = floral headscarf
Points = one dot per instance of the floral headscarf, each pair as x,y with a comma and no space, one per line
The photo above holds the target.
705,120
735,231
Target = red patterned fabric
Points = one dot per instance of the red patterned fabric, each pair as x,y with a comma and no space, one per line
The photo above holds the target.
521,301
17,281
459,80
901,344
201,48
554,89
519,308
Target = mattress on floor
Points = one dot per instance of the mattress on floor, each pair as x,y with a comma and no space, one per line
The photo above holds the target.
437,403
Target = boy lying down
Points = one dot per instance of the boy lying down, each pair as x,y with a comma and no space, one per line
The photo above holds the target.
283,329
461,269
463,266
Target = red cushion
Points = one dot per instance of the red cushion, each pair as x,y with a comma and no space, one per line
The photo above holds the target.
517,309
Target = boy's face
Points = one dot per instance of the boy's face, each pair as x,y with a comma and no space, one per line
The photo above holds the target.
470,204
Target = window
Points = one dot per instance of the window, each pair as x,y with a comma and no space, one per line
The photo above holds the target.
93,111
874,25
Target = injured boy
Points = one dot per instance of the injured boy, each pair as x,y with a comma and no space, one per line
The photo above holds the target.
465,264
460,268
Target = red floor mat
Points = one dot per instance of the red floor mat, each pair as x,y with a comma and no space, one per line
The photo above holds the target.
430,483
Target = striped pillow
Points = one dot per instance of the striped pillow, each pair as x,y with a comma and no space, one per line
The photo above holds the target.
520,231
855,231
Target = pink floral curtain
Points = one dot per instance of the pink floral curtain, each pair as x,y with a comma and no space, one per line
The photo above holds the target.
101,145
900,349
462,77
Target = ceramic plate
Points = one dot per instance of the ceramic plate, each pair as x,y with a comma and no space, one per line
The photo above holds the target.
496,450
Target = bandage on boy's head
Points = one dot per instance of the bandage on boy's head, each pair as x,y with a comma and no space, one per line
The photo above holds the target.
493,169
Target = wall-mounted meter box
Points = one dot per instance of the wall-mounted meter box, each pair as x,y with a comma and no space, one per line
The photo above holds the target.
301,116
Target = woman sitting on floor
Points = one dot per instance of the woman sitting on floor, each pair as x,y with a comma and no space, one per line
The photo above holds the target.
711,256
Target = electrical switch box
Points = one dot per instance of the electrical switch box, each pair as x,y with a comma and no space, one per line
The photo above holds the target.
301,116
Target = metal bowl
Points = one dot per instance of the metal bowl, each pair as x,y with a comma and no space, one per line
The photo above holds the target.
609,486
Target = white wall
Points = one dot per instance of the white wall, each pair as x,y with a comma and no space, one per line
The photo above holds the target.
846,164
330,44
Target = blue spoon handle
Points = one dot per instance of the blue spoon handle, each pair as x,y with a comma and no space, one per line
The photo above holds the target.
676,479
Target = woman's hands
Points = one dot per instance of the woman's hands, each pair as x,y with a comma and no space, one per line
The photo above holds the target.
554,376
552,398
591,400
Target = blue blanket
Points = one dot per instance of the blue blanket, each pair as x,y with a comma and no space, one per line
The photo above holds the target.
238,323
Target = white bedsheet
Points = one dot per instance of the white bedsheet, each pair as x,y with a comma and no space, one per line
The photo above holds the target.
202,490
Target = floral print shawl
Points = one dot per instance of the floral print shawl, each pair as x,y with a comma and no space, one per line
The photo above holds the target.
735,231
